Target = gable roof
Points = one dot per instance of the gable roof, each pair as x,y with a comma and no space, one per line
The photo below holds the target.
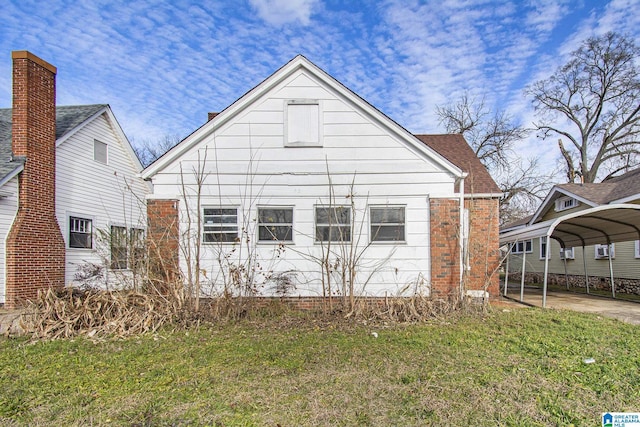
455,148
69,119
621,189
297,63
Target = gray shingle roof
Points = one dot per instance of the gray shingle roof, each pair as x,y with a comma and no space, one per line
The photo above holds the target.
67,118
607,191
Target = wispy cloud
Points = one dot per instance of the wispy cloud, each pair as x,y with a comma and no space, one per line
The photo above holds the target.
163,65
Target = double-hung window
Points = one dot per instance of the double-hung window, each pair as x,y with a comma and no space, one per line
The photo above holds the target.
543,247
80,233
333,224
118,247
137,248
387,224
220,225
275,224
522,246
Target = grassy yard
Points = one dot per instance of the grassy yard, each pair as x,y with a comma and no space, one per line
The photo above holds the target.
520,367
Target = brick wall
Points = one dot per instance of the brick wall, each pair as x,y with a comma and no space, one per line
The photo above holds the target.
35,249
163,240
484,254
445,247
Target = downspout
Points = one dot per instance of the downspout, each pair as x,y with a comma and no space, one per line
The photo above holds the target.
461,219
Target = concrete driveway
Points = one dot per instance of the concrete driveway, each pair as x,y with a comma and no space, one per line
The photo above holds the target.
625,311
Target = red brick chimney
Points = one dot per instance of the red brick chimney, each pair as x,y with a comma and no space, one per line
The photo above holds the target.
35,249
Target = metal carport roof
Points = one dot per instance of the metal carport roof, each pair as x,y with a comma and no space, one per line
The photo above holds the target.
604,224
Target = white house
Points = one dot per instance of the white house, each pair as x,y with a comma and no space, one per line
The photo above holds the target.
301,180
77,174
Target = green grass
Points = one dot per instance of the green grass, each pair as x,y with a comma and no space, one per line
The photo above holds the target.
518,368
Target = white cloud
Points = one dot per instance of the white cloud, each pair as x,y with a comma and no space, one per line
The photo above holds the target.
279,12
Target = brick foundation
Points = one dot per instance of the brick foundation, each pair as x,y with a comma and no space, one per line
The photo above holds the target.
35,249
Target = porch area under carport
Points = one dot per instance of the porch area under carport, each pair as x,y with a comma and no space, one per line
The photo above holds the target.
599,225
623,310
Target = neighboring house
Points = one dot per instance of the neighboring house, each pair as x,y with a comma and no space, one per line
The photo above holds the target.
300,176
67,174
569,199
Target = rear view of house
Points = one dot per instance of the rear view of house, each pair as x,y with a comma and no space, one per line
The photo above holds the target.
303,189
71,204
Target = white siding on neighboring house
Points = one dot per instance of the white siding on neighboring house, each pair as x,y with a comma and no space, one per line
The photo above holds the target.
248,165
8,209
107,194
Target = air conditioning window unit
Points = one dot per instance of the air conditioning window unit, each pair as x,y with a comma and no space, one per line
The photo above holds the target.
567,253
605,251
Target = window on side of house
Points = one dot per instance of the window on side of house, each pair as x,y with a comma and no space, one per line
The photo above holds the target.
80,233
605,251
275,224
523,246
333,224
137,248
637,248
220,225
543,247
387,223
100,151
302,123
118,238
564,203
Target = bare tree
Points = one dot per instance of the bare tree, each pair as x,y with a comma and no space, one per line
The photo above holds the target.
593,101
492,136
149,151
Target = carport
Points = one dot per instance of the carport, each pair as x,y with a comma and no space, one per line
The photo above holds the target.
605,224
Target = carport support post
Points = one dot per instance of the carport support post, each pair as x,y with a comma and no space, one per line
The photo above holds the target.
524,258
586,274
546,273
613,286
566,275
506,269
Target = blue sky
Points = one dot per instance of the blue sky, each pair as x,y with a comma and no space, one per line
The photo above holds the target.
163,65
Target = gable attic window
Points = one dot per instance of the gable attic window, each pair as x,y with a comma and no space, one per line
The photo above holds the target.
99,151
564,203
302,123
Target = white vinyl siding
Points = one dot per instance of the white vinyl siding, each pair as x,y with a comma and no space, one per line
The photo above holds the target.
253,169
107,193
8,209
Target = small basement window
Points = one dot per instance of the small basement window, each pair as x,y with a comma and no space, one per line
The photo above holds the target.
99,151
302,123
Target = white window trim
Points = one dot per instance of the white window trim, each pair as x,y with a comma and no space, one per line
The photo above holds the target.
276,242
515,250
106,152
560,203
315,224
67,231
237,224
288,143
611,251
637,245
404,224
543,241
